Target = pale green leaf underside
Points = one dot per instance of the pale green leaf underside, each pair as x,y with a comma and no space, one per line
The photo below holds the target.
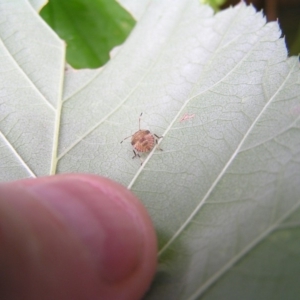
227,178
38,4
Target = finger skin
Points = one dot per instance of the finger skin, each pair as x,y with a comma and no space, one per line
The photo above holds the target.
74,237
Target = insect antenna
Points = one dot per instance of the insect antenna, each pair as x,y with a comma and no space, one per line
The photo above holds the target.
140,121
125,139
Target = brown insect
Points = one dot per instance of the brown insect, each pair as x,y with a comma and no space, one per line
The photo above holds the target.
142,141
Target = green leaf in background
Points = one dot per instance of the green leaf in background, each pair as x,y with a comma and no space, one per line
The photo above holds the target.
90,28
224,195
295,47
215,4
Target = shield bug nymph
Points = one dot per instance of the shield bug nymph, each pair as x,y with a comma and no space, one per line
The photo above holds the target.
142,141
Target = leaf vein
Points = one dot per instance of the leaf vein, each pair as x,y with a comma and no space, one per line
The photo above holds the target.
198,207
17,155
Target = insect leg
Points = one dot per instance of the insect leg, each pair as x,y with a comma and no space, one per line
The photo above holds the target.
137,154
157,138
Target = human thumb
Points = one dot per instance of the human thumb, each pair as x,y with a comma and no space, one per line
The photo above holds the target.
74,237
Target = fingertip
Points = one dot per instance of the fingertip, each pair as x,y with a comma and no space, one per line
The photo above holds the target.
112,230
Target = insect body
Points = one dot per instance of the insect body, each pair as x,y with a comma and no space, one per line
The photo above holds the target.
142,141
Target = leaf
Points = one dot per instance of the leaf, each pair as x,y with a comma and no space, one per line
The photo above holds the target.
32,64
38,4
224,192
215,4
90,28
295,43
